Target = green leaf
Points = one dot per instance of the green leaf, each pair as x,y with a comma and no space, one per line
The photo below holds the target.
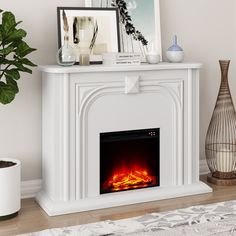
7,50
21,67
4,61
27,70
16,42
15,36
1,33
23,49
7,94
27,62
12,83
13,74
8,21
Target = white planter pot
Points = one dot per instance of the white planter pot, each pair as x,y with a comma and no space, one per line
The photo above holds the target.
10,197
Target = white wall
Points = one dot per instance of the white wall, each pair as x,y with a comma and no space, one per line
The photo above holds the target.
206,30
20,121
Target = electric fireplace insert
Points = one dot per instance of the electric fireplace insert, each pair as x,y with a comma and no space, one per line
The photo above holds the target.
129,160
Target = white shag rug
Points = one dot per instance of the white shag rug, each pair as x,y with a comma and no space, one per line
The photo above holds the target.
213,219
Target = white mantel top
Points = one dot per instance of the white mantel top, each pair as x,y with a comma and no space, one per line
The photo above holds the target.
102,68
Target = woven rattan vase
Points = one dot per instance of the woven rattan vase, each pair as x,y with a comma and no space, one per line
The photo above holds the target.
220,143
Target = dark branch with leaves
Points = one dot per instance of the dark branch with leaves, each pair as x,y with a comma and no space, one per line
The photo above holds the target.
13,51
126,20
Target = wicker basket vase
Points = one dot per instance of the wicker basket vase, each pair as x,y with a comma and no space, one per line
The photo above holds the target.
220,143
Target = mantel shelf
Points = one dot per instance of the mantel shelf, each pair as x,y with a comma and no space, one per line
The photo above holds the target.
101,68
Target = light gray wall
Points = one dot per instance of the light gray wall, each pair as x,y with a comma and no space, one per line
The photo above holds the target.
205,28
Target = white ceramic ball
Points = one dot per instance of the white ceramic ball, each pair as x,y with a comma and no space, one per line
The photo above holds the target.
175,56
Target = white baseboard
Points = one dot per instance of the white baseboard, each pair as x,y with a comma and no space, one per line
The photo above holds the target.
203,168
30,188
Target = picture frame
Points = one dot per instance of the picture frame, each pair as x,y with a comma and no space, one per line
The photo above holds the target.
95,30
149,29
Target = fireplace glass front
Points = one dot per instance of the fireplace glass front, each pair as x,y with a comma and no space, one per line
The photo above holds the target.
129,160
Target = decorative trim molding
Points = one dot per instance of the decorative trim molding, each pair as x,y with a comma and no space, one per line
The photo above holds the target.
90,93
30,188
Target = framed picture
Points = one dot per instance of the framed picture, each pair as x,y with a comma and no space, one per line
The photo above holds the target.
91,30
139,22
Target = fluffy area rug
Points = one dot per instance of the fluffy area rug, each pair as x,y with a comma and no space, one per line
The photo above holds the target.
213,219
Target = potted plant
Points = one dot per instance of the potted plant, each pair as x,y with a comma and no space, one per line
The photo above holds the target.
13,61
10,194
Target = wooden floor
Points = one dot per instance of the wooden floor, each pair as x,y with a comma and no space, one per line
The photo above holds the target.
33,218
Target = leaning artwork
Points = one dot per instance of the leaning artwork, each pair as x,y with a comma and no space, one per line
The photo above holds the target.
89,29
139,23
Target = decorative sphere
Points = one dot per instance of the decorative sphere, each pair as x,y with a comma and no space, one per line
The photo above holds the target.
175,56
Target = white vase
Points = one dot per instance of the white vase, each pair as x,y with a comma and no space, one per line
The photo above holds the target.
10,195
152,55
175,53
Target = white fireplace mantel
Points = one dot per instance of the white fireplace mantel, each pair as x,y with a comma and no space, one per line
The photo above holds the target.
79,103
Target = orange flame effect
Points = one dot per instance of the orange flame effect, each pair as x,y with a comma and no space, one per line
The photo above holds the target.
129,179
